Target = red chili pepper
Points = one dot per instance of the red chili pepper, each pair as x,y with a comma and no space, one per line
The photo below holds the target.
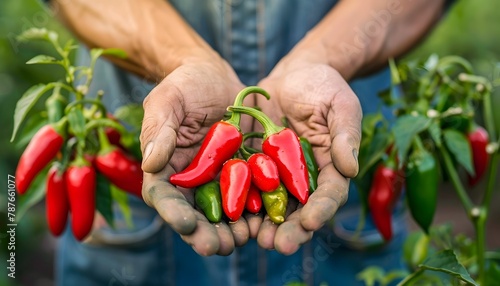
42,149
478,140
264,171
121,170
254,200
56,201
385,190
235,182
283,146
80,180
220,144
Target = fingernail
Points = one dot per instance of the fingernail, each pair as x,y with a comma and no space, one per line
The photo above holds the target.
147,151
355,154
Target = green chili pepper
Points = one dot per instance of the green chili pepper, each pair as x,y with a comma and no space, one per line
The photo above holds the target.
208,198
275,203
422,187
312,166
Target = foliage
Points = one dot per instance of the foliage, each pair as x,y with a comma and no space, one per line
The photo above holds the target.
435,102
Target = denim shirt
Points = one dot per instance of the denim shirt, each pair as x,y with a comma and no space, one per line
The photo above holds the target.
252,36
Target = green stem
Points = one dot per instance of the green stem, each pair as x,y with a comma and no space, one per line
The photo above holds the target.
480,228
238,101
481,219
82,101
455,179
411,277
489,119
492,170
449,60
270,127
104,144
104,122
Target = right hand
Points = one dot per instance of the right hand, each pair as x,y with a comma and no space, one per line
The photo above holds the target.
177,115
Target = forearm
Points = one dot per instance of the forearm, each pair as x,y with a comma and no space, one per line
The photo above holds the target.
155,37
358,36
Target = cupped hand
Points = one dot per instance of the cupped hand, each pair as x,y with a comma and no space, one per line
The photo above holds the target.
320,106
177,115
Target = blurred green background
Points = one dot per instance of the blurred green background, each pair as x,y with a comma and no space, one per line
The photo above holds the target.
470,29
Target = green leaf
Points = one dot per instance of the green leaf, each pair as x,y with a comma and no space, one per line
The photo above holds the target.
77,123
371,275
43,59
131,114
33,195
415,248
115,52
25,103
104,202
96,53
31,126
34,34
460,148
393,275
446,261
375,151
435,132
121,197
405,129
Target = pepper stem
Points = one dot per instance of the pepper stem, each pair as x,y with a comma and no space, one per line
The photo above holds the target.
270,127
105,146
247,151
238,101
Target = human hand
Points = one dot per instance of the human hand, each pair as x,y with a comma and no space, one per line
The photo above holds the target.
177,115
320,106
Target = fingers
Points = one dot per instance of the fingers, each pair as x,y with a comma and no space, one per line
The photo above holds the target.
205,238
268,229
158,133
226,240
344,120
254,221
331,193
169,202
240,231
290,235
267,232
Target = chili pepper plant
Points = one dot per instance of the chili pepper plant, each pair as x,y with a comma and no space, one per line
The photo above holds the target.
77,155
442,130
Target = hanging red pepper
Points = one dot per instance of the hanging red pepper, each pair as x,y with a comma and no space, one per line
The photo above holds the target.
283,146
254,200
121,170
220,144
478,140
42,149
56,201
80,180
385,190
235,182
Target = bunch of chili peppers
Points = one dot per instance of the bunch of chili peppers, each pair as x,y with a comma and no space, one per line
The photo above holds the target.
445,119
75,154
231,177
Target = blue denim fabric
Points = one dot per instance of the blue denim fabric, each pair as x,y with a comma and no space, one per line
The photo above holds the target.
252,36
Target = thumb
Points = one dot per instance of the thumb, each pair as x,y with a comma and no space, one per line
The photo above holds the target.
345,129
162,108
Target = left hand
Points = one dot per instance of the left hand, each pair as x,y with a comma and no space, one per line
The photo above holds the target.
320,106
